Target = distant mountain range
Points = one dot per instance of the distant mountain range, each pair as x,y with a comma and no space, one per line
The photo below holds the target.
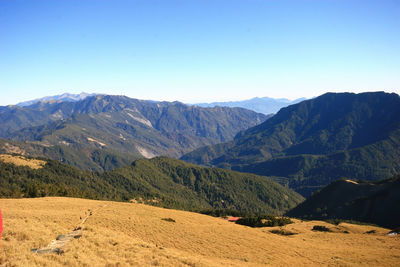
314,142
263,105
159,181
373,202
102,131
57,98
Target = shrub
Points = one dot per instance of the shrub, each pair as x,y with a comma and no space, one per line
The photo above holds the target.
282,232
168,219
321,228
264,221
396,230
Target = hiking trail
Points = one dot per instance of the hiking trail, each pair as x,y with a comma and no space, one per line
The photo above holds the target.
56,246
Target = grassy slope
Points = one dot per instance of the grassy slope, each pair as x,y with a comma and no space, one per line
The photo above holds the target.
161,181
126,234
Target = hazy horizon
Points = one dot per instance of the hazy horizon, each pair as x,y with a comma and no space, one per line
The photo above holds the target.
185,102
158,100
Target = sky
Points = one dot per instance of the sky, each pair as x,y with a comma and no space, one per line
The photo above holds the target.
198,50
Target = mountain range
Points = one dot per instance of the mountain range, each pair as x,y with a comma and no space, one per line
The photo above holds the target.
85,130
304,147
314,142
265,105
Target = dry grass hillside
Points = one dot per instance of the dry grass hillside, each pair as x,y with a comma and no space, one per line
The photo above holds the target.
22,161
123,234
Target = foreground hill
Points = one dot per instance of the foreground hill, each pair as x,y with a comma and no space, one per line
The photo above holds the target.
317,141
373,202
122,125
128,234
159,181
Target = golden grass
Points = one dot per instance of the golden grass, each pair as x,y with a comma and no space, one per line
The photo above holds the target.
129,234
22,161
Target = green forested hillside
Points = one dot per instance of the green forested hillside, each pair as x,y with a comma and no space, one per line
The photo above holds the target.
373,202
80,156
317,141
160,181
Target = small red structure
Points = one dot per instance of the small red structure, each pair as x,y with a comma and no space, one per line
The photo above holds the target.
233,219
1,224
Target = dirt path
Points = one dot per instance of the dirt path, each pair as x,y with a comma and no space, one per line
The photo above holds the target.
56,246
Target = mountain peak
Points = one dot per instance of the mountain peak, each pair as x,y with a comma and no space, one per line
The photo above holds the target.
63,97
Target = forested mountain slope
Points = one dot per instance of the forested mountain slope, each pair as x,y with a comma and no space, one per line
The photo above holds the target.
159,181
316,141
373,202
120,125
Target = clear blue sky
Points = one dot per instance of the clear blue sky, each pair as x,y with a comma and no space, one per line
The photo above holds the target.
194,51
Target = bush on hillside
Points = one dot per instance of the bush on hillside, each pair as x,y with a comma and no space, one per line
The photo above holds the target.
282,232
264,221
225,212
321,228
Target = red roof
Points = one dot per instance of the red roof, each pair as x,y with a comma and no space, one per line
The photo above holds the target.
233,219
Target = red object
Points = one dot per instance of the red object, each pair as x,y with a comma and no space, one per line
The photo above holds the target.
1,224
233,219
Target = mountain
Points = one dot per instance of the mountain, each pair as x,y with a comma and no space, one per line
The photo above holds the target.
159,181
373,202
57,98
317,141
263,105
121,125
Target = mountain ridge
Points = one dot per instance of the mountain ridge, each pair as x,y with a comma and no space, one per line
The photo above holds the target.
57,98
121,124
345,133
